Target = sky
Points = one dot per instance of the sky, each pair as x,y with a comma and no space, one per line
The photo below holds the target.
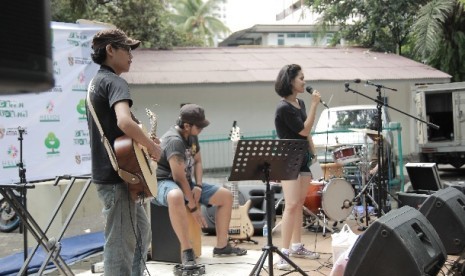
243,14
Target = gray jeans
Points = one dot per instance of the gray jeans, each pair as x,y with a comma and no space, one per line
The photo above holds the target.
124,254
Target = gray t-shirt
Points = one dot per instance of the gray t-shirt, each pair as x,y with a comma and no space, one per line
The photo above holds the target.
106,89
172,143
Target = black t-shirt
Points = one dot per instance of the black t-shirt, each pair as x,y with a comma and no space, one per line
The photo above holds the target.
289,120
172,143
106,89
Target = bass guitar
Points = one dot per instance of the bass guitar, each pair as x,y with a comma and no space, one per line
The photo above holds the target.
240,226
134,159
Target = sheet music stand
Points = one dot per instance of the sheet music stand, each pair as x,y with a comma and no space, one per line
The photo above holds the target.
265,160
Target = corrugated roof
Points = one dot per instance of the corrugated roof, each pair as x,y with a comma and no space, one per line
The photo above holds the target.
258,64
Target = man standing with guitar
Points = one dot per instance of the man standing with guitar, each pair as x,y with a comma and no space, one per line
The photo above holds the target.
179,161
127,228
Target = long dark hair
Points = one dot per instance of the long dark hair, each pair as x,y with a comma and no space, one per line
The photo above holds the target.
283,85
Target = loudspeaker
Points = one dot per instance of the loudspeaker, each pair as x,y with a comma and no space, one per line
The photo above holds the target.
445,209
26,63
165,243
402,242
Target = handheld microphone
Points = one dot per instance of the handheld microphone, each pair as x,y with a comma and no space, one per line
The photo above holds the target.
310,90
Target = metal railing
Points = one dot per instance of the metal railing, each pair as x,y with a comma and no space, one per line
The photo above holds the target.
218,155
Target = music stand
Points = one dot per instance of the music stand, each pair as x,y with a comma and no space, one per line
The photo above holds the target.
265,160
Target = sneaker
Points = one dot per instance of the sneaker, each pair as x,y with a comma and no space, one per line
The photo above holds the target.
302,252
282,264
188,258
228,250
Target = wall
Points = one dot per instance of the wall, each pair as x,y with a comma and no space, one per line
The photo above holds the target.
252,105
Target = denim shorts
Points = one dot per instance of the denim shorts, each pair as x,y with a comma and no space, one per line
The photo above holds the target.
166,185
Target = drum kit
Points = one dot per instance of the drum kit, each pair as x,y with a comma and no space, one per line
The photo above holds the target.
334,198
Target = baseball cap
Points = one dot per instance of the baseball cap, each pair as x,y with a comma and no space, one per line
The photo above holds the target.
193,114
115,37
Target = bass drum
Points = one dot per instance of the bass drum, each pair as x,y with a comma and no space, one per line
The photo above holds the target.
336,200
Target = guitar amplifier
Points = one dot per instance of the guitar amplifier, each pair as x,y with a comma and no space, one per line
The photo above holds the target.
165,243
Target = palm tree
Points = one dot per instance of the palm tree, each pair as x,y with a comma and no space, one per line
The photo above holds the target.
440,36
197,18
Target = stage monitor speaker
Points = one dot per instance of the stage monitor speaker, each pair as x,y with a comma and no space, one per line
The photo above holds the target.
26,63
424,176
402,242
445,209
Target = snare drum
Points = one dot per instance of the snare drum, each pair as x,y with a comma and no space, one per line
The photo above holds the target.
344,155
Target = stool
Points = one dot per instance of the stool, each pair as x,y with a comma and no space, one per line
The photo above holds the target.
165,243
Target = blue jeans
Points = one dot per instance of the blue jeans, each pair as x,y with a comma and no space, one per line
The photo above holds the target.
124,254
166,185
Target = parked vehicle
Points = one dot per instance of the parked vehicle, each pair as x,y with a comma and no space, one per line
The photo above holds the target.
442,105
9,220
344,128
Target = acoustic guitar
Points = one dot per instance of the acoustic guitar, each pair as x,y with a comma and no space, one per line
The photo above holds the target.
134,159
240,226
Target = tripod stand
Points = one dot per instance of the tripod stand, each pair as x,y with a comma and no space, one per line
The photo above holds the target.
254,160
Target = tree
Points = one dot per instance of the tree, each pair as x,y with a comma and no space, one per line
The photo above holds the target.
440,36
145,20
197,18
380,25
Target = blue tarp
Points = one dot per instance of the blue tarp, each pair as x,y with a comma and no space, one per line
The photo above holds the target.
73,249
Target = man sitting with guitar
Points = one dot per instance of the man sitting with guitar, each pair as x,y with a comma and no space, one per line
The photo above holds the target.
179,161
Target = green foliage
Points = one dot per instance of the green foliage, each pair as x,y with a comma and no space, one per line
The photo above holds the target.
145,20
440,37
380,25
198,19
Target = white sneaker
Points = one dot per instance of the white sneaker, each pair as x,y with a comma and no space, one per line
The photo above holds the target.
302,252
282,264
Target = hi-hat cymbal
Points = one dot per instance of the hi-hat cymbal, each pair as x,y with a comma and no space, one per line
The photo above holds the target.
365,130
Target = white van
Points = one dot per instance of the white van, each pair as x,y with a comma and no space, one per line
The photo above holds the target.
341,132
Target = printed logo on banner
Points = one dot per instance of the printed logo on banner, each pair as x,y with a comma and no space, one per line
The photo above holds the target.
78,60
12,109
49,117
81,137
2,131
81,109
80,158
12,152
80,84
78,38
53,144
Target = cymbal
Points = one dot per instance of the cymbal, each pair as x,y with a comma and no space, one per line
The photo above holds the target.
365,130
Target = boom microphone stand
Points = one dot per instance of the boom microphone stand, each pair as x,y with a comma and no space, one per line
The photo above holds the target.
379,104
265,160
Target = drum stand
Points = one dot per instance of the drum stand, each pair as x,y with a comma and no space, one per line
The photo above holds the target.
323,222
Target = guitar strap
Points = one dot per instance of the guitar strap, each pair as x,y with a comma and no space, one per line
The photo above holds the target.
125,175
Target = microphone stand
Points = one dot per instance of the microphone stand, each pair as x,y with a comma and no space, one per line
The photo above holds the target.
380,154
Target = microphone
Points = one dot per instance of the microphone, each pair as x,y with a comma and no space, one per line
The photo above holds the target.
347,87
310,90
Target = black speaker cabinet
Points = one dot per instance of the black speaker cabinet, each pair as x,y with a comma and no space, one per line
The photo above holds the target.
165,244
402,242
445,209
26,63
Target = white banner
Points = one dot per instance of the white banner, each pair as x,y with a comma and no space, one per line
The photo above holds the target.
55,137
